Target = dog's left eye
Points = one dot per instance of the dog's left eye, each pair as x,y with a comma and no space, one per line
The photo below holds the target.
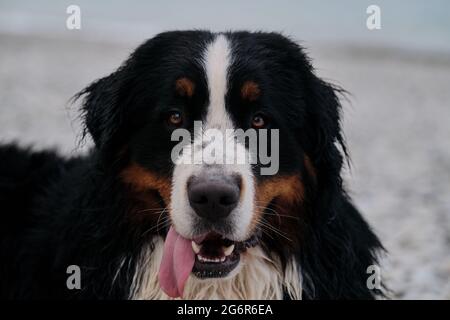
258,122
175,118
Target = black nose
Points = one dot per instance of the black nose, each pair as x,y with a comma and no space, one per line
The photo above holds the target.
213,197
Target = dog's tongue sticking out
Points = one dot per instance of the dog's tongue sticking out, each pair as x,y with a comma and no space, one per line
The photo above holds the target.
176,265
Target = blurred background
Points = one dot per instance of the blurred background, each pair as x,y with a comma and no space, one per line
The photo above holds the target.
397,116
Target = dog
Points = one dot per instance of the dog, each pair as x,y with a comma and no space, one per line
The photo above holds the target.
139,224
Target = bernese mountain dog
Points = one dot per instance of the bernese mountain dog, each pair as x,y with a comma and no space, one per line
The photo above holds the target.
141,224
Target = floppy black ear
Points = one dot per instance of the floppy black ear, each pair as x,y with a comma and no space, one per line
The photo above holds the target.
102,111
341,245
323,134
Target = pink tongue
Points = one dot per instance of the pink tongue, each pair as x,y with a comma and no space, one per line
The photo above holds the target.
176,265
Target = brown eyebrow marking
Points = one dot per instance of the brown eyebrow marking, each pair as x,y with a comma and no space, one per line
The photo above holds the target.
185,87
250,91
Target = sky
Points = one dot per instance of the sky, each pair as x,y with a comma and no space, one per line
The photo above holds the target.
410,24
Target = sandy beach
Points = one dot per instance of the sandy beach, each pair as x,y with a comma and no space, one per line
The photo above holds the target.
396,124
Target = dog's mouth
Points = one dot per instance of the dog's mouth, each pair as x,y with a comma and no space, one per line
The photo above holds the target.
216,256
208,256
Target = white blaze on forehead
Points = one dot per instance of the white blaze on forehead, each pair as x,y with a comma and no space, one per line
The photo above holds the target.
217,60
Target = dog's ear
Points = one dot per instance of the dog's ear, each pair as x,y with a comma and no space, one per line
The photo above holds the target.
106,100
102,111
324,140
336,229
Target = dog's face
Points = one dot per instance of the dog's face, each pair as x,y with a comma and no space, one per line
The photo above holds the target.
196,83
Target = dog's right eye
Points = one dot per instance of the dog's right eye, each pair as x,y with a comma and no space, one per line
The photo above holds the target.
175,118
258,121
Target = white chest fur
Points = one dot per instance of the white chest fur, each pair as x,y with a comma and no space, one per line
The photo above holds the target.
259,277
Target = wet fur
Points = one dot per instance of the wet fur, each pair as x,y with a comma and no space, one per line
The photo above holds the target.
58,211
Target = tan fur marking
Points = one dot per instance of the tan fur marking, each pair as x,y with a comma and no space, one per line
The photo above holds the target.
185,87
142,180
289,190
250,91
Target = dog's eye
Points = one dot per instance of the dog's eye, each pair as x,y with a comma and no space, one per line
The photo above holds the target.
258,122
175,118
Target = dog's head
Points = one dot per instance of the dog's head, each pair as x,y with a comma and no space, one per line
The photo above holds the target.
166,120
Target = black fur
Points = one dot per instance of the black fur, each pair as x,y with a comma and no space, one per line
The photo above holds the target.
58,212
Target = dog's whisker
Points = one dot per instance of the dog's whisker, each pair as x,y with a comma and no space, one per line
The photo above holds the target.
163,223
281,234
159,217
271,204
274,229
264,231
275,213
153,211
282,215
159,223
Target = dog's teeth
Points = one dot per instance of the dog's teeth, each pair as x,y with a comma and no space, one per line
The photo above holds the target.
228,250
214,260
196,247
